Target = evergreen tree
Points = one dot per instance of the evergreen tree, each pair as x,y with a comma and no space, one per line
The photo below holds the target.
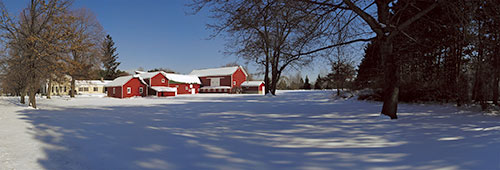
306,84
109,58
319,81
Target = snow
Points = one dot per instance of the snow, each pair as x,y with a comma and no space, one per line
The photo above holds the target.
91,82
251,83
164,89
120,81
189,79
223,71
293,130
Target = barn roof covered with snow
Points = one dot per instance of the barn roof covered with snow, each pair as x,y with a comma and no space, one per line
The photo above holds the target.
223,71
120,81
251,83
189,79
92,82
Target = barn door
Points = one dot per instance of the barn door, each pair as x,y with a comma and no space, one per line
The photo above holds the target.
215,82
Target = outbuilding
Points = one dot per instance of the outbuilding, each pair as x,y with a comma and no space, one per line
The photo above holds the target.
253,87
126,86
221,80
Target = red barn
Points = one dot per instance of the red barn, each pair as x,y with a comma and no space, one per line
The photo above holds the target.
165,84
221,80
185,84
127,86
253,87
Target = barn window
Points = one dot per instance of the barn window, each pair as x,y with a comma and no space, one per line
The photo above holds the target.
114,90
129,90
96,89
234,83
186,88
162,80
140,90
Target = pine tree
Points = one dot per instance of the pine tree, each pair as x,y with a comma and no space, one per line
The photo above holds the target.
307,85
319,81
109,58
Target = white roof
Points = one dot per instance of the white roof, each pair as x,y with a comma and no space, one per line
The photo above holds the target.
164,89
190,79
251,83
92,82
120,81
147,75
223,71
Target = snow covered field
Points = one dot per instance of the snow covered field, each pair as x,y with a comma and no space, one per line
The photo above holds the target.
294,130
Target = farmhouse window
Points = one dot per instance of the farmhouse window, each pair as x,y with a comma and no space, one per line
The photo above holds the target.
64,88
234,83
96,89
85,89
162,80
129,90
114,90
80,88
186,87
140,90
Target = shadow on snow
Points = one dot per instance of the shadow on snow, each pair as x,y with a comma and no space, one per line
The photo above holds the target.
296,130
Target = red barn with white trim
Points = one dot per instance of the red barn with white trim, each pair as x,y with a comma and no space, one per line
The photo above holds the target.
170,83
221,80
127,86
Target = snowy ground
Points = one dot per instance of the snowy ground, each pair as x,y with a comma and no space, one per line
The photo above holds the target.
294,130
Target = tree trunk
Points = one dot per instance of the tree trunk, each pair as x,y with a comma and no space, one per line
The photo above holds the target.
32,97
73,90
391,77
23,94
266,76
495,90
49,89
274,81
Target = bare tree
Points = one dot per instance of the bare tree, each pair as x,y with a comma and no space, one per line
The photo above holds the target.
33,36
269,32
83,45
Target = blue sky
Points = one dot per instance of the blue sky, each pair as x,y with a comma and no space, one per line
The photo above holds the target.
158,33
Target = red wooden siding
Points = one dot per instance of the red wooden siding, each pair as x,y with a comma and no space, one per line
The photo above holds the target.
185,88
156,80
238,78
165,94
224,80
117,94
134,85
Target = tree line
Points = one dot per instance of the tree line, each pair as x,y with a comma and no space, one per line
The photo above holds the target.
49,41
443,47
451,55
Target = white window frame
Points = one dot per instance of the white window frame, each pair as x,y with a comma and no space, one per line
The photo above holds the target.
162,80
129,90
186,87
141,90
114,90
234,83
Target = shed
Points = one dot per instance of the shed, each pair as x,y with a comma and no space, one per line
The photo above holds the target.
126,86
253,87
